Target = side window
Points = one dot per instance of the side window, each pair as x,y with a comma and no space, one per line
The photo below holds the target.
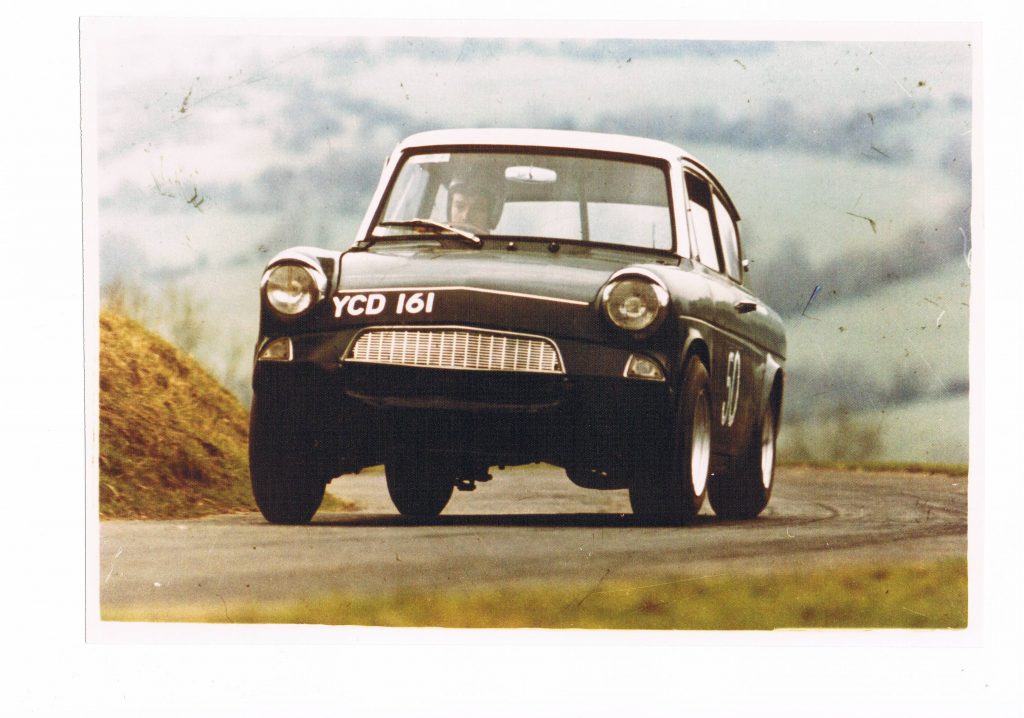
730,242
700,214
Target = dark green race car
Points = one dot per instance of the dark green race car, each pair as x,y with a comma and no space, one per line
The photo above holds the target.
516,296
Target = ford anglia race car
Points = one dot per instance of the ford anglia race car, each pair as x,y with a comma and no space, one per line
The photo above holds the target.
519,296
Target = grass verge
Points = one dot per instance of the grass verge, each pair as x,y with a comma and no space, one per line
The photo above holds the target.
910,596
902,467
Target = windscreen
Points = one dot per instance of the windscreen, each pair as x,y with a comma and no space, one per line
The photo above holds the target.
547,196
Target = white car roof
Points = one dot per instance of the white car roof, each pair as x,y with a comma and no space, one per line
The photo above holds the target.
556,139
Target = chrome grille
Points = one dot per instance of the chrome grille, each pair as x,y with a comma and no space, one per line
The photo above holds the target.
457,348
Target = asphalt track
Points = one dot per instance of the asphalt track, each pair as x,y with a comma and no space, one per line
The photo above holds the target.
528,526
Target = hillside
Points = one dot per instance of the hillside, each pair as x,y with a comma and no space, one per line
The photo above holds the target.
173,441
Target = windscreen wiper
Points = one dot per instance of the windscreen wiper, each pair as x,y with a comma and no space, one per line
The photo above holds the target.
428,224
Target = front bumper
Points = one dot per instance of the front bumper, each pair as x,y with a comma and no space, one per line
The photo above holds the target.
587,414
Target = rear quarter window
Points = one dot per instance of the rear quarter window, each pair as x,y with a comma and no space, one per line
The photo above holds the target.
729,240
700,210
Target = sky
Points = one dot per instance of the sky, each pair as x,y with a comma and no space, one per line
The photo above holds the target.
230,107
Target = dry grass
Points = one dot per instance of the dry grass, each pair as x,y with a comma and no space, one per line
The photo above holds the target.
173,442
930,595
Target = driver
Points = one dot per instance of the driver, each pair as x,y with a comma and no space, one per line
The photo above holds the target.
471,207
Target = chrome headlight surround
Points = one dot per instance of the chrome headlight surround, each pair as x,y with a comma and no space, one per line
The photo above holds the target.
291,287
635,301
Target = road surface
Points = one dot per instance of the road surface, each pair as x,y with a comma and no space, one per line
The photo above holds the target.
528,526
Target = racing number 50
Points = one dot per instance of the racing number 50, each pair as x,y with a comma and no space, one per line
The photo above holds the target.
732,389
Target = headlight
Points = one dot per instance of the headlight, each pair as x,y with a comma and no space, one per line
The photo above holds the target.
291,289
634,303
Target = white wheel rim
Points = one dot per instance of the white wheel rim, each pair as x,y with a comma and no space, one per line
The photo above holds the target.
700,444
767,449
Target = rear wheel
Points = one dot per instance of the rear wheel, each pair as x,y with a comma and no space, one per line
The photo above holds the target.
419,484
745,494
673,490
283,468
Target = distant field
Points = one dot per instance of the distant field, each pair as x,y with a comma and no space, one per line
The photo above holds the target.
876,355
934,431
924,321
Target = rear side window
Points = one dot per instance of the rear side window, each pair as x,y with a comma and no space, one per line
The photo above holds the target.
701,215
729,240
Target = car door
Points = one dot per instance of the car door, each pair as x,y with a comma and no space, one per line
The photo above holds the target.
737,363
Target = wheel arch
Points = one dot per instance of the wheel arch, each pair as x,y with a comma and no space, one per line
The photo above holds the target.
695,344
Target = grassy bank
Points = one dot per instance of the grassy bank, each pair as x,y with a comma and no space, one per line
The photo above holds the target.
172,441
911,596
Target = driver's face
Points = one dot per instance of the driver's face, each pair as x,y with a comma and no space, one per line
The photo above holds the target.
470,210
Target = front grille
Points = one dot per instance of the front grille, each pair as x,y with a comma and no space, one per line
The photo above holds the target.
456,348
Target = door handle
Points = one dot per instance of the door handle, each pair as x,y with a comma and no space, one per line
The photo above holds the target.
745,306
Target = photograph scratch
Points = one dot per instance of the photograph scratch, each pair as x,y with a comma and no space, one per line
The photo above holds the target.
870,221
814,294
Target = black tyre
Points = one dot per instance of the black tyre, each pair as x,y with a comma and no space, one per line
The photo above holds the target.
673,490
283,468
745,494
419,484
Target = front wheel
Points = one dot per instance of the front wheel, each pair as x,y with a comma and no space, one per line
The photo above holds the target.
673,490
745,494
419,485
282,467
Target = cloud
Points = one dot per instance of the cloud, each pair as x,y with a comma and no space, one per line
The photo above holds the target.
331,184
313,115
883,133
623,50
472,49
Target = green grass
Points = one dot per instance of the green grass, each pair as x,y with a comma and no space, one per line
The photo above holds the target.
910,596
